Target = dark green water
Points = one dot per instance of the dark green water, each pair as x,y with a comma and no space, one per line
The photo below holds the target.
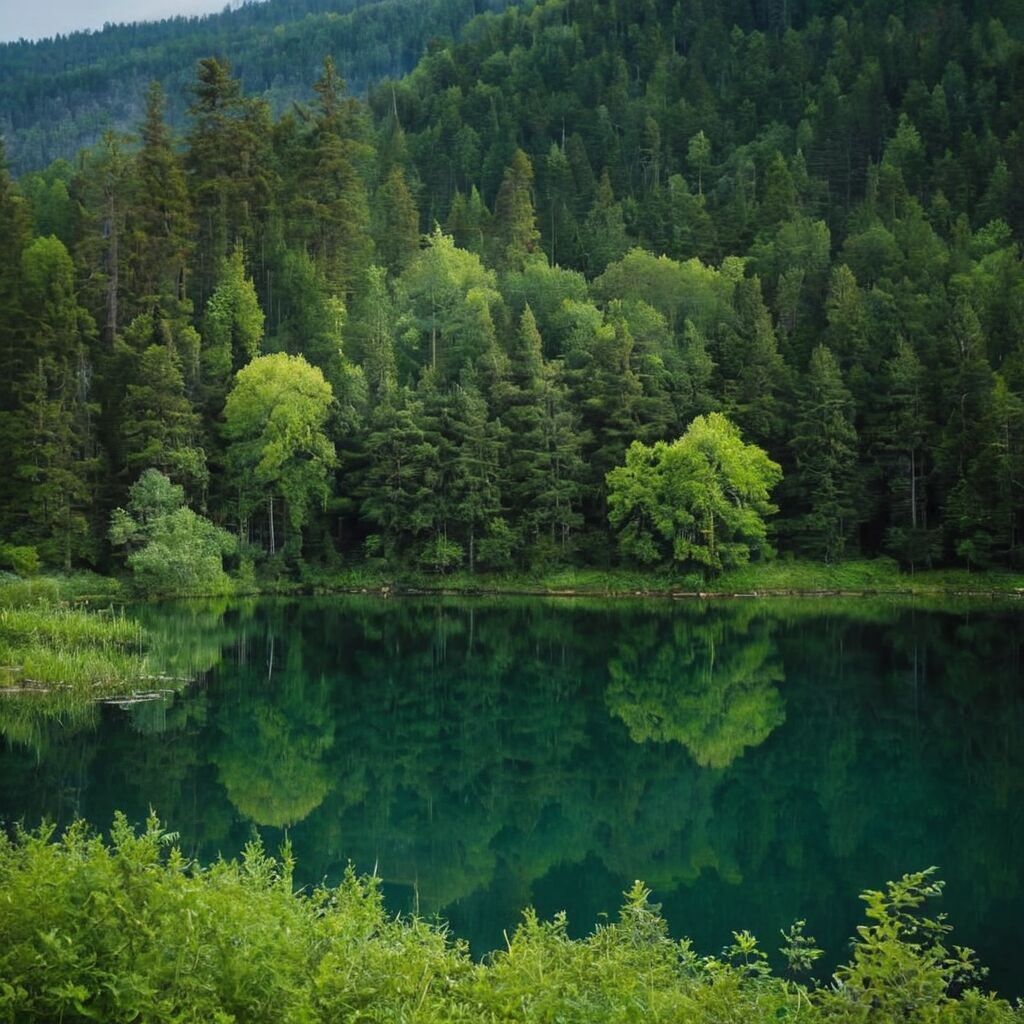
753,762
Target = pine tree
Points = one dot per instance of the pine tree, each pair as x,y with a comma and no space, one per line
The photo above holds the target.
903,433
229,169
102,188
514,228
14,233
603,237
373,332
559,223
333,205
50,436
232,330
825,450
968,434
394,486
159,427
396,223
477,441
751,373
469,221
160,222
544,466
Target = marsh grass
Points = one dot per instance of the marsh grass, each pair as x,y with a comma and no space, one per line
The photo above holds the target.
57,660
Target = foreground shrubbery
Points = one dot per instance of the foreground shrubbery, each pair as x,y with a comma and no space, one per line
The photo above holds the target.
131,930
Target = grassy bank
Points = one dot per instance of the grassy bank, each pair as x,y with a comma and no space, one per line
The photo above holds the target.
874,576
776,578
130,930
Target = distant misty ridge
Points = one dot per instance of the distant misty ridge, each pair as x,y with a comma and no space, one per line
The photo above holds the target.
67,18
58,95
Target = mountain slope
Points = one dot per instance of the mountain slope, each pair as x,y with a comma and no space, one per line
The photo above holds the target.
58,95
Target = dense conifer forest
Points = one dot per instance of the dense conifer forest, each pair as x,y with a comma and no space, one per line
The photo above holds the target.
640,283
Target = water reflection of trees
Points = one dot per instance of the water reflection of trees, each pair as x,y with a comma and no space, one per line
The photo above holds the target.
707,683
476,752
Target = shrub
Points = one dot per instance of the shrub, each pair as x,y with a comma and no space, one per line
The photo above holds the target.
133,930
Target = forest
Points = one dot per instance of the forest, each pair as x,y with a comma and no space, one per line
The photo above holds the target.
59,95
640,283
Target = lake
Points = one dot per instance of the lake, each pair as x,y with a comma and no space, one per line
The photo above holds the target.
753,761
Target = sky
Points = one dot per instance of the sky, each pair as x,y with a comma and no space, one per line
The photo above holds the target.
33,19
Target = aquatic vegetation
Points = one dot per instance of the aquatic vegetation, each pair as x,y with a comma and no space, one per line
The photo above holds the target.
56,659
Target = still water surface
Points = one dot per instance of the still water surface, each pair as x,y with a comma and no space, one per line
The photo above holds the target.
753,762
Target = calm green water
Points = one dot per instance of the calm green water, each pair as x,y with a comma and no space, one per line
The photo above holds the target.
753,762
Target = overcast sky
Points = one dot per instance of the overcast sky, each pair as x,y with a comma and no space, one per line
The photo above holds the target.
33,19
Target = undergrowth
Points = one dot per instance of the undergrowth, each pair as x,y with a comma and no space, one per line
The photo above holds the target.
130,929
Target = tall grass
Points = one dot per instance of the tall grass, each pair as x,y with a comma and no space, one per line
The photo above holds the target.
56,660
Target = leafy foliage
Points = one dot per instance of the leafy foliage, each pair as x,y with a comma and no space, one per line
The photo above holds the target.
701,499
172,550
132,928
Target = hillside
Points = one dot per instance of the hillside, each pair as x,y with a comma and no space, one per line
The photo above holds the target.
58,95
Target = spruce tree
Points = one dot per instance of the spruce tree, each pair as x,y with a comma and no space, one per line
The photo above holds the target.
514,228
50,433
159,427
232,330
160,220
229,169
396,223
824,447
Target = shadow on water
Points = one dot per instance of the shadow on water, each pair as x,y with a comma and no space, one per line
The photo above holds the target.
753,762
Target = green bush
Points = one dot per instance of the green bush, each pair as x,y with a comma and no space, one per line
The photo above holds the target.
22,559
132,930
172,549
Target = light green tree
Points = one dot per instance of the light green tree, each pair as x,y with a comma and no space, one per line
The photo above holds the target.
232,330
274,421
171,549
447,296
701,499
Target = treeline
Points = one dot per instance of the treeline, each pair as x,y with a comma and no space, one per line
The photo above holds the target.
59,95
427,329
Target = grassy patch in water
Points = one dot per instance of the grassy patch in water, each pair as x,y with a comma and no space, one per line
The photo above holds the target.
56,659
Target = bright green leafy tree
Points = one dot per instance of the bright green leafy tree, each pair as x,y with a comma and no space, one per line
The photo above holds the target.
274,422
699,500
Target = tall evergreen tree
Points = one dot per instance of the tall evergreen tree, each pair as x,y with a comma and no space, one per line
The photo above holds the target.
396,228
229,169
232,330
50,433
514,228
160,221
825,451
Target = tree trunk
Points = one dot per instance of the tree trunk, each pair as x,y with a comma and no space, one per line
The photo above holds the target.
913,489
113,258
270,502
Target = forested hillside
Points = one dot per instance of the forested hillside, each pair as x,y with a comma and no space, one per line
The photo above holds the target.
775,245
58,95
